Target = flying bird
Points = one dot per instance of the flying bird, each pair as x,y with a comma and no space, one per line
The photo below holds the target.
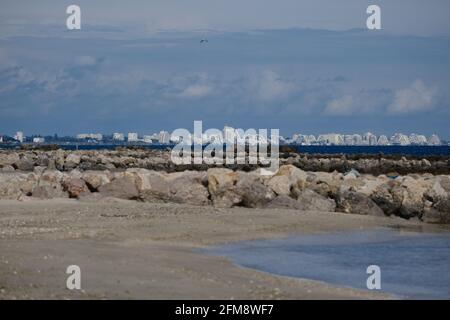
204,41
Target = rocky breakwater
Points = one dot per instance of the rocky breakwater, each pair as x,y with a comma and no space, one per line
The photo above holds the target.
419,196
160,160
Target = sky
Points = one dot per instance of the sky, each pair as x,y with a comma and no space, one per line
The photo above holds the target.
301,66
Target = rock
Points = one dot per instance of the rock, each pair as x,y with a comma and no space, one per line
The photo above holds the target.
410,193
24,164
384,199
9,159
438,213
221,185
287,178
357,203
252,191
325,184
122,188
72,161
13,185
151,185
50,185
188,187
96,179
76,187
284,202
352,174
8,168
312,201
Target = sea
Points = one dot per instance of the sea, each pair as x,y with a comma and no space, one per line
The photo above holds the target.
412,265
443,150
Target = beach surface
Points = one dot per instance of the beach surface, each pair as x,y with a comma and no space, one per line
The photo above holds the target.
130,250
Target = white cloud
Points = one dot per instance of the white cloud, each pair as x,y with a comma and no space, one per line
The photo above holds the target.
270,86
418,97
85,61
340,106
196,91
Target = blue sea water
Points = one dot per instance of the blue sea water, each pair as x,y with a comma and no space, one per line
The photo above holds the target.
401,150
413,265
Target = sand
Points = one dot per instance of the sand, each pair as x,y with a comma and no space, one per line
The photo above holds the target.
133,250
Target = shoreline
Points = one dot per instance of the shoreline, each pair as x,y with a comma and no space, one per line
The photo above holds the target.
129,250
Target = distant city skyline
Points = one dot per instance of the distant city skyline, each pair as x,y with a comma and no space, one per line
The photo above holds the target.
166,137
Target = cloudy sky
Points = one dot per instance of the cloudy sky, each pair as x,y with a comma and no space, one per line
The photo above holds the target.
301,66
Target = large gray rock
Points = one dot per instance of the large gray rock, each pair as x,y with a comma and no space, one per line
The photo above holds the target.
25,164
151,185
324,183
188,187
50,185
122,188
252,191
357,203
221,187
287,180
96,179
72,161
13,185
312,201
284,202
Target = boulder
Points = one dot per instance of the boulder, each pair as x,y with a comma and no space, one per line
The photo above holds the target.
122,188
96,179
8,168
76,187
252,191
50,185
312,201
221,187
188,187
287,179
72,161
13,185
357,203
151,185
284,202
384,199
324,183
24,164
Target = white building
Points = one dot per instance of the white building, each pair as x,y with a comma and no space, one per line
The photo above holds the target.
434,140
38,140
148,139
418,139
370,139
19,136
133,137
94,136
118,136
383,140
1,139
164,137
400,139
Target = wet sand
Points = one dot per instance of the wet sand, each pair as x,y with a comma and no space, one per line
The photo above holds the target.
131,250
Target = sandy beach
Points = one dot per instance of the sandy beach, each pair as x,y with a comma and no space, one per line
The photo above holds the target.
129,250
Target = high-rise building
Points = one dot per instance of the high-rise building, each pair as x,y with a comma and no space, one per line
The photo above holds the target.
118,136
19,136
133,137
434,140
164,137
